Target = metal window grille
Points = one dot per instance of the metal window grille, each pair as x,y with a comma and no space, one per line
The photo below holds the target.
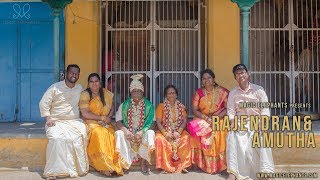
164,40
284,52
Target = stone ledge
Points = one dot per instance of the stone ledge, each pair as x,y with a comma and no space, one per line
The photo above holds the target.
22,130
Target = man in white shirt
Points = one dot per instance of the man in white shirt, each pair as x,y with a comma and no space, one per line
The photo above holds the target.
244,161
66,150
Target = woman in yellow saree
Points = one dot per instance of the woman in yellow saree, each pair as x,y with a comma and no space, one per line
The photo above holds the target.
96,109
208,147
173,153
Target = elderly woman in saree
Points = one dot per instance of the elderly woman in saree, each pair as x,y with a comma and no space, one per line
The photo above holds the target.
173,151
96,109
208,148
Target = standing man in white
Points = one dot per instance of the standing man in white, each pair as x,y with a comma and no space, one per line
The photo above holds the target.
244,161
66,150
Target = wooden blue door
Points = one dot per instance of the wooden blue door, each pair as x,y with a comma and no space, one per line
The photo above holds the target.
8,72
32,24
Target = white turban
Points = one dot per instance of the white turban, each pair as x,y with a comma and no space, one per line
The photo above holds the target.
136,83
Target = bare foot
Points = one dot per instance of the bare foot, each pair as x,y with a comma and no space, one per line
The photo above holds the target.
144,167
224,173
185,171
51,178
106,173
231,177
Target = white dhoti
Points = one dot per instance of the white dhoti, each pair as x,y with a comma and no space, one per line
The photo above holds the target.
244,161
127,154
66,150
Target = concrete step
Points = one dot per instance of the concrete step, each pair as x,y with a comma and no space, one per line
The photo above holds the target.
23,145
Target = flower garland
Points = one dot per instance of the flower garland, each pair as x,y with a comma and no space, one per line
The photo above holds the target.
133,110
169,125
135,114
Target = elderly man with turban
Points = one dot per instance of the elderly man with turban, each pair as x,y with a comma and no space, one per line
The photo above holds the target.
135,139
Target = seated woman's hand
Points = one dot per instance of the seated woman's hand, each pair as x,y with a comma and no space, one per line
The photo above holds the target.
209,121
176,135
221,115
169,136
106,119
101,123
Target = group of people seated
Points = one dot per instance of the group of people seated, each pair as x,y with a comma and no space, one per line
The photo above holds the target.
80,132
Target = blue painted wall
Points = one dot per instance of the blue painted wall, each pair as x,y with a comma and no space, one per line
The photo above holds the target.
27,59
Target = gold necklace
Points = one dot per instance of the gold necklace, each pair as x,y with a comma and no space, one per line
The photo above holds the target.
211,104
94,94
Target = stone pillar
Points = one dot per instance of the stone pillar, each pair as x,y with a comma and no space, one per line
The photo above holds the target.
57,7
245,6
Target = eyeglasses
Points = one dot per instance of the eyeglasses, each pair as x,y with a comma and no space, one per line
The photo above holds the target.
240,73
171,93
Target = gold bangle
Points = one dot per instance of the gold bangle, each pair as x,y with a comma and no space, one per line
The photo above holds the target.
180,130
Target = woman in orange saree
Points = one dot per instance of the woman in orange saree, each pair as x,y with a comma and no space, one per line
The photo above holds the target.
173,153
208,149
96,109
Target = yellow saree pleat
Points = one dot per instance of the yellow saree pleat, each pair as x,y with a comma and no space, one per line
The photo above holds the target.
101,149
